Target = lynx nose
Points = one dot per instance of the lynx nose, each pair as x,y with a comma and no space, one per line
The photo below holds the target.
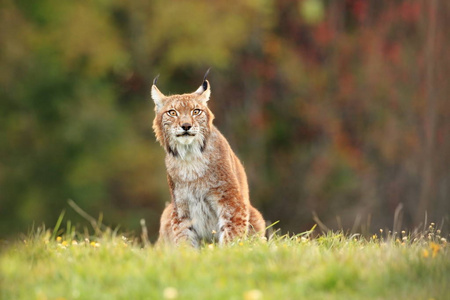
186,126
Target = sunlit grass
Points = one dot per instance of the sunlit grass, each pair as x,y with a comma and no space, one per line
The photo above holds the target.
329,266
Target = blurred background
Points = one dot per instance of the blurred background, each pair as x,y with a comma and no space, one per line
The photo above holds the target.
336,108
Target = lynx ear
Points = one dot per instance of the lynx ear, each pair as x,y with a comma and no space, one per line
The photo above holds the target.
157,96
204,90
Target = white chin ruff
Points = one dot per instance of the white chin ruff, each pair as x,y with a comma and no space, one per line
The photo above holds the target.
187,147
185,140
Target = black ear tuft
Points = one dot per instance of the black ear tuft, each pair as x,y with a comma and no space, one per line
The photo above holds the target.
206,74
205,85
156,79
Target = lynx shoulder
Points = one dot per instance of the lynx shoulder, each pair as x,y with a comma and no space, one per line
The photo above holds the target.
207,182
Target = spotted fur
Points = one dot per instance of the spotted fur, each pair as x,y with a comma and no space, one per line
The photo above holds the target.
207,182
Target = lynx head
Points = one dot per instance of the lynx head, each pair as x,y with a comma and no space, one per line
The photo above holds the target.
183,122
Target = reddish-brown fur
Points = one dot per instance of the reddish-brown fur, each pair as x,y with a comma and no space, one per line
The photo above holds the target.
207,182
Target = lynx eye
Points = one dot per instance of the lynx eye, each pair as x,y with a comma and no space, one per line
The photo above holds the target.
196,112
172,113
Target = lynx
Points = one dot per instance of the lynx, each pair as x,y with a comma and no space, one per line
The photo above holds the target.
207,182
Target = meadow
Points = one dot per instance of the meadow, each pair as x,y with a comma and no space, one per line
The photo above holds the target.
51,264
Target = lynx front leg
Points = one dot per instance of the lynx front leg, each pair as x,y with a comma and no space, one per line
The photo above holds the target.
182,230
183,233
233,220
173,230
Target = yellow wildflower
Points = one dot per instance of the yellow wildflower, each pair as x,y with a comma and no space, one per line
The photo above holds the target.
64,243
59,239
253,295
425,253
95,245
435,248
170,293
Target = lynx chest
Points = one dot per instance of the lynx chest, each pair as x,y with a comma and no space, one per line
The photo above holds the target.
190,169
195,202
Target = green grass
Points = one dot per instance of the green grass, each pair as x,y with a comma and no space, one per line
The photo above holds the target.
330,266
